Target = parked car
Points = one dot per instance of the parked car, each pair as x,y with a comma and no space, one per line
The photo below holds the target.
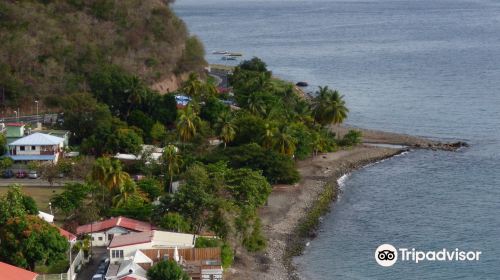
7,173
33,174
20,174
98,277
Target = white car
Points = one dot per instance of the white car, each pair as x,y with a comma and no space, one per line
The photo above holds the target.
33,174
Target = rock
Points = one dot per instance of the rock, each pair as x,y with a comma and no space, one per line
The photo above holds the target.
302,84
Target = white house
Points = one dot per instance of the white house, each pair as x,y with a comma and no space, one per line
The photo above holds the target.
124,246
37,147
102,232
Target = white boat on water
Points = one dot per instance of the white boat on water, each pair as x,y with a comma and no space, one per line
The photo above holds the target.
220,52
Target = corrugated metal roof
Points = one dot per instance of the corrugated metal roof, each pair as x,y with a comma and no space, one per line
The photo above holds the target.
156,237
38,139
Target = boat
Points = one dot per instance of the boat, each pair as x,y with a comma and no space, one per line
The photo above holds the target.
302,84
226,57
220,52
234,54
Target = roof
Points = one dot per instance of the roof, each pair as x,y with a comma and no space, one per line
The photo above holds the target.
18,124
38,139
46,217
31,157
68,235
123,222
10,272
140,257
158,239
126,270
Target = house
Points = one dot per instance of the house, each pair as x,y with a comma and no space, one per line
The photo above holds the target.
36,147
66,234
103,232
10,272
199,263
15,130
46,217
124,246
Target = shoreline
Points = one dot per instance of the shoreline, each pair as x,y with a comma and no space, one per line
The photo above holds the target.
293,211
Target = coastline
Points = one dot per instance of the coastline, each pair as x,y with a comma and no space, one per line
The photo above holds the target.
293,211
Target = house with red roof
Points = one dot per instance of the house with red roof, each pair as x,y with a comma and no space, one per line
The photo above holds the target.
102,232
10,272
66,234
124,246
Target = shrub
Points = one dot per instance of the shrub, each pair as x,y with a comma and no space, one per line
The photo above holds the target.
353,137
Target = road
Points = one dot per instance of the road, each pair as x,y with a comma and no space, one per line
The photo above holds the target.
34,182
100,253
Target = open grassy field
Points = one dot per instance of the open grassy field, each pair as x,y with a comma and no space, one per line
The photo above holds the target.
41,195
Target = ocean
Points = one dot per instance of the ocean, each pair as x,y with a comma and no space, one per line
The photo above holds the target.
429,68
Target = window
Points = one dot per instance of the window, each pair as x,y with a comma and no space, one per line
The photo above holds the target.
110,236
100,238
33,148
115,254
21,148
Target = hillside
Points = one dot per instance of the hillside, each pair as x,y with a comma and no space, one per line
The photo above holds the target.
50,47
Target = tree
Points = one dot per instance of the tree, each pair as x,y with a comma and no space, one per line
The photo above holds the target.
100,173
285,143
124,140
125,190
158,133
150,187
226,128
187,123
3,144
27,240
329,107
174,222
167,270
72,198
193,86
5,162
173,161
15,204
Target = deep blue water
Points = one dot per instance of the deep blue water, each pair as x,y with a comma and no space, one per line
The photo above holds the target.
429,68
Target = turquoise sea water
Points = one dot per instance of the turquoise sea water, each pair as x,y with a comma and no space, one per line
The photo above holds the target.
429,68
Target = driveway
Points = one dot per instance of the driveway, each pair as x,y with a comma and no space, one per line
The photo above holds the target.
100,253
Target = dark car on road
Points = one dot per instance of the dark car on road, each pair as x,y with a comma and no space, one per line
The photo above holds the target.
7,174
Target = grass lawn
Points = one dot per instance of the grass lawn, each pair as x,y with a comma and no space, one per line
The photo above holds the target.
41,195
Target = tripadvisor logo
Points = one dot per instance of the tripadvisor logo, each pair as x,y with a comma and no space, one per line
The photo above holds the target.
387,255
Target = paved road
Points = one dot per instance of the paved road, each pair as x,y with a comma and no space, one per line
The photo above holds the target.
100,253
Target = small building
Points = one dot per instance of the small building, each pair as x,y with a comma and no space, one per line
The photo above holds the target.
36,147
10,272
101,233
15,130
124,246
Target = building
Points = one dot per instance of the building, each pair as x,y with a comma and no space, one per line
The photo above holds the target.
36,147
66,234
10,272
124,246
15,130
103,232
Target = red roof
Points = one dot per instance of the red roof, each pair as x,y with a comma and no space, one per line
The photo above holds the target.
128,278
15,124
10,272
123,222
71,237
131,239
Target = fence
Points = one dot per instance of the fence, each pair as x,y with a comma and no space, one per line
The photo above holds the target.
77,261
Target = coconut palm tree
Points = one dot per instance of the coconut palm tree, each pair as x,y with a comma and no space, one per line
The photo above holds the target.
284,142
226,128
173,161
193,86
116,177
270,131
135,93
100,172
329,107
127,189
187,123
255,104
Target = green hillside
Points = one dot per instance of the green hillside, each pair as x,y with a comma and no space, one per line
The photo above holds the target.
51,47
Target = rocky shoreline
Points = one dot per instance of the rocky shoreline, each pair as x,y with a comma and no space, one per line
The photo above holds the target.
288,206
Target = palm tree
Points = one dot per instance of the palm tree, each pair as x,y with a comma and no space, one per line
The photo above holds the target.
285,143
255,104
127,189
135,94
268,138
117,177
100,172
187,123
173,160
329,107
193,86
226,128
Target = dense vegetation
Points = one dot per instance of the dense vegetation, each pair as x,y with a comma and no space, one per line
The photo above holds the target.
195,186
53,47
